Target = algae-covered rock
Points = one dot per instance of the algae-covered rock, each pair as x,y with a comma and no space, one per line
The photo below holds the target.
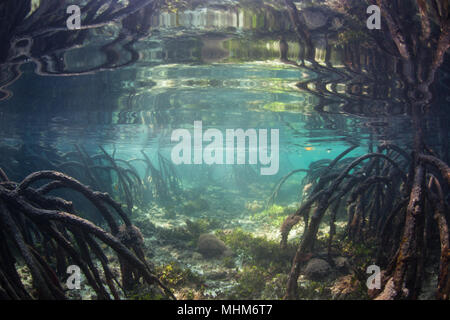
317,269
210,246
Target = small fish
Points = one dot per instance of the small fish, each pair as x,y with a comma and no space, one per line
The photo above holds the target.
309,148
116,186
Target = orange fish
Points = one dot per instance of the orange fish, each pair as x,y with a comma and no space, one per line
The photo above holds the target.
309,148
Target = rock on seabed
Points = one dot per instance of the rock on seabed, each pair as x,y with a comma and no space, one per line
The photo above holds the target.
210,246
317,269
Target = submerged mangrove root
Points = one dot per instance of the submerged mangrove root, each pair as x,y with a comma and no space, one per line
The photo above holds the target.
372,187
120,178
399,205
45,231
275,192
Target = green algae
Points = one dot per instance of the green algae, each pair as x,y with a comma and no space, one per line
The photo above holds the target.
174,275
273,215
258,251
